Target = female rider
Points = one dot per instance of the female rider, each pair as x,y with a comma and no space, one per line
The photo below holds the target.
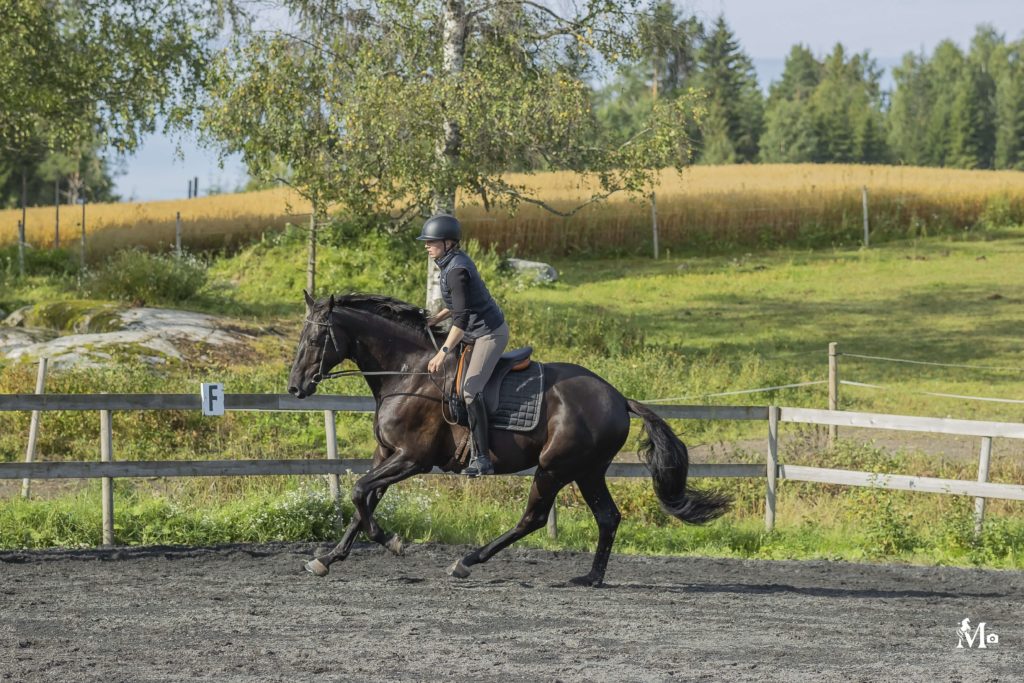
476,320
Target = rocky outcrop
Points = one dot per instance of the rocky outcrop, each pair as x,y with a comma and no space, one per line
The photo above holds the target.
541,272
104,332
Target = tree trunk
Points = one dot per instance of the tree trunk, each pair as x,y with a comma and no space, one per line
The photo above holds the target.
311,261
449,143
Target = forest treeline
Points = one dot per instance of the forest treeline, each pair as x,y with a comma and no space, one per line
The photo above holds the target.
951,107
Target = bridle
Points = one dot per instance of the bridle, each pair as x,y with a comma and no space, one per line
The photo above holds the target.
321,375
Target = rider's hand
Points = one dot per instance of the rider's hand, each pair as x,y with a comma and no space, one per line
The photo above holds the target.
435,363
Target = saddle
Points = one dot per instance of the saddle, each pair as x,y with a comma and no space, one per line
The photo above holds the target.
512,394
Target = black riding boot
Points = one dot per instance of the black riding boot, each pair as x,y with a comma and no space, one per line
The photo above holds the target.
481,462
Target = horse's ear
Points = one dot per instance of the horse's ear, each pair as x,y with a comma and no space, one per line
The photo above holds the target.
309,299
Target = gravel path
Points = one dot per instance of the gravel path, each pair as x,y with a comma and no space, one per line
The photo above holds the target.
249,613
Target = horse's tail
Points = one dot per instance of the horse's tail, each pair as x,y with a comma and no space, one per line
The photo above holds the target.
668,461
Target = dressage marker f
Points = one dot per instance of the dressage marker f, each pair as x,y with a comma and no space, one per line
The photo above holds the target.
213,398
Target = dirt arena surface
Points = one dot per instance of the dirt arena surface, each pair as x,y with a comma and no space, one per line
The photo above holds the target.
249,613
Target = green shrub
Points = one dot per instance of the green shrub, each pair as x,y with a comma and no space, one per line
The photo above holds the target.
43,262
141,277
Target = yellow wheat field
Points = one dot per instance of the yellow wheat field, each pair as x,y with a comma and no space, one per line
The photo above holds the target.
705,205
756,204
205,222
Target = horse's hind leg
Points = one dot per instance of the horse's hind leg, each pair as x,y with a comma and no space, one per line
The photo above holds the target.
595,492
542,496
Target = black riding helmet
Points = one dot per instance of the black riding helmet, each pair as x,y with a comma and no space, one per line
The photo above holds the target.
441,227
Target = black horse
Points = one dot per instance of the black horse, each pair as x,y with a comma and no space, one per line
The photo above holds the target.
584,421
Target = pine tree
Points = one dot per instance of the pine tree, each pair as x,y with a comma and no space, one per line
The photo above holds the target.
1009,105
670,42
800,76
945,71
909,110
847,110
789,135
727,76
717,145
973,118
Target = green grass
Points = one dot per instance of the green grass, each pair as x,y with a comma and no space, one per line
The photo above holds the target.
742,322
814,522
683,326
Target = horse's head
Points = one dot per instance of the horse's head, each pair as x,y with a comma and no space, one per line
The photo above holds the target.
322,345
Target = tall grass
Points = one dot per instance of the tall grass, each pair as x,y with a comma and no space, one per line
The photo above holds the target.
706,209
207,222
814,521
712,209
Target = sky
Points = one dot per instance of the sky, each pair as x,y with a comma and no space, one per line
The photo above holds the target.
766,30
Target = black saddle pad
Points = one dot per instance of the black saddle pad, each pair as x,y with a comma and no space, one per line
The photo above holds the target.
519,400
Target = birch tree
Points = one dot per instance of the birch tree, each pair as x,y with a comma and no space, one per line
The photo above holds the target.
424,101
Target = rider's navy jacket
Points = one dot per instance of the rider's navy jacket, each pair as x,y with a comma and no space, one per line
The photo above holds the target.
473,308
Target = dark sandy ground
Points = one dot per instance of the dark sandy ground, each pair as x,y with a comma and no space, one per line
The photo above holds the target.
249,613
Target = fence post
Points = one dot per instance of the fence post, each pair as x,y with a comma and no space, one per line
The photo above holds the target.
773,467
21,248
107,455
83,230
33,429
833,389
654,223
177,234
864,199
553,519
24,204
979,503
331,428
56,203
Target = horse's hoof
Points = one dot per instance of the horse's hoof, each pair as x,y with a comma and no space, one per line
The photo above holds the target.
459,570
317,568
588,580
394,544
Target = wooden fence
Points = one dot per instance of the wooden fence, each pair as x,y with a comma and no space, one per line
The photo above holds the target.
108,469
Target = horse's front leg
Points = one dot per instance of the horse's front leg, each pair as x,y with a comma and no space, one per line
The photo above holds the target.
340,552
366,493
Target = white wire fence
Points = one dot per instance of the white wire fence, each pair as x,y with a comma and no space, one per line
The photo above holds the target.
835,382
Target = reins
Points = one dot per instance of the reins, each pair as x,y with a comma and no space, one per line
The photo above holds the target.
320,376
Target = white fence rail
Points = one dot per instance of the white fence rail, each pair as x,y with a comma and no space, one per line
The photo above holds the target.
108,469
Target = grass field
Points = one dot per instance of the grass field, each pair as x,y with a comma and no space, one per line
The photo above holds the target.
684,326
707,209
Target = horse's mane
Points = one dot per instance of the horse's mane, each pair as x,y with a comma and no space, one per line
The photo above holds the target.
405,314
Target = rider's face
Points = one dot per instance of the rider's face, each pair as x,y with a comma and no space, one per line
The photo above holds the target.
435,248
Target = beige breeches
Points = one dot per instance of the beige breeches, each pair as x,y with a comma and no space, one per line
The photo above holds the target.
486,352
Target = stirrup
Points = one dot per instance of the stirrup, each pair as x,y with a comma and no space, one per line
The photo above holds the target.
480,465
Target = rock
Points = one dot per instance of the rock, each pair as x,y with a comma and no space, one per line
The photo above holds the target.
146,335
19,337
17,319
542,272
